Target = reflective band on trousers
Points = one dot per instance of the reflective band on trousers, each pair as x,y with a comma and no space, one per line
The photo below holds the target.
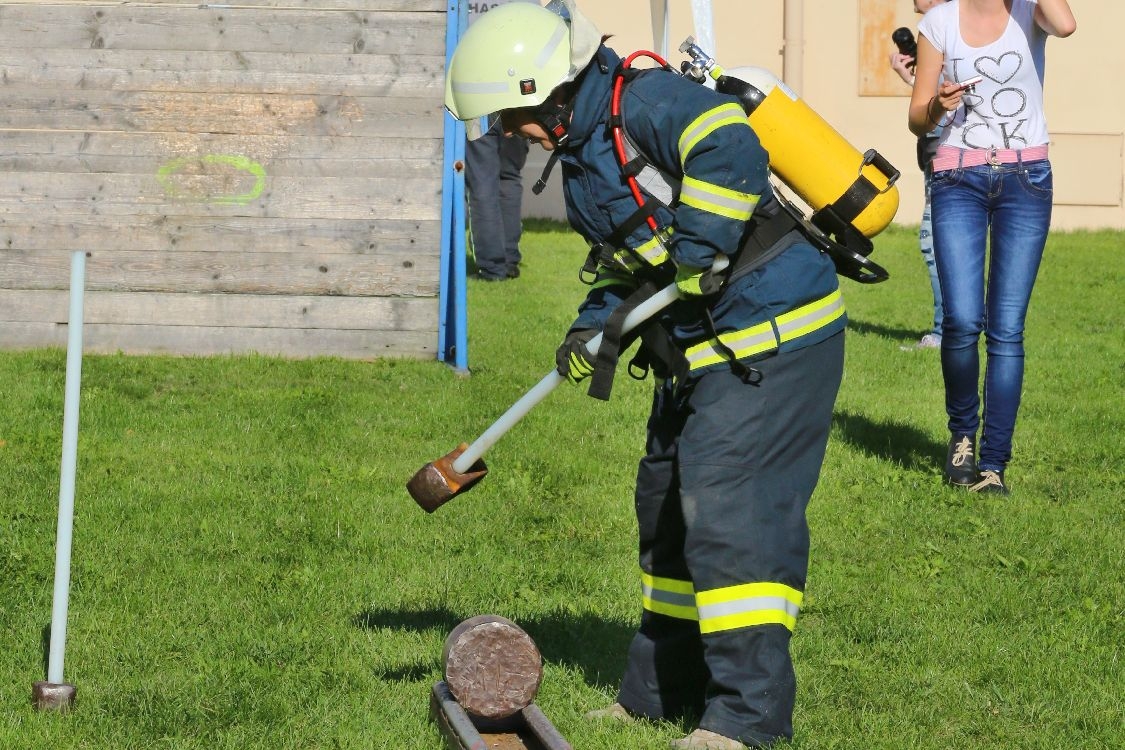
668,596
728,608
746,605
761,338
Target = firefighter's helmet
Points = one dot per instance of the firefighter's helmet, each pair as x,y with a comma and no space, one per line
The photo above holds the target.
515,56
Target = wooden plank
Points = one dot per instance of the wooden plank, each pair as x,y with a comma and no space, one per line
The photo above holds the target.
240,273
211,340
231,72
146,153
221,190
224,310
279,149
216,112
52,232
231,29
312,168
396,6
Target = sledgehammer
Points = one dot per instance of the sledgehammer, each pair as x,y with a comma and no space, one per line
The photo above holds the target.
438,482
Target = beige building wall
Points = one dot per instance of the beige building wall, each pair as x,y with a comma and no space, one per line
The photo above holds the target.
837,61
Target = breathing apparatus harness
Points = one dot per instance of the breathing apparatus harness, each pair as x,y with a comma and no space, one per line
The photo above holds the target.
760,243
773,229
658,352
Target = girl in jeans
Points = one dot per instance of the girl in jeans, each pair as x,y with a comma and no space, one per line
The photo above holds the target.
991,187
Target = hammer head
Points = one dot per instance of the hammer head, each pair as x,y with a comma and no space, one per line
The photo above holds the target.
436,483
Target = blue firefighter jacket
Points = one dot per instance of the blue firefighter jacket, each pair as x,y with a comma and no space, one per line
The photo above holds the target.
703,140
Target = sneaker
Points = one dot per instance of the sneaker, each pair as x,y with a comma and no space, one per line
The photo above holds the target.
514,272
705,739
960,462
929,341
991,482
614,711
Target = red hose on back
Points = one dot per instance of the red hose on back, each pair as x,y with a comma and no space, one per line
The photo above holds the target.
617,127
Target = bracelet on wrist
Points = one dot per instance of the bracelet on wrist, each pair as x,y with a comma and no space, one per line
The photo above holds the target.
930,112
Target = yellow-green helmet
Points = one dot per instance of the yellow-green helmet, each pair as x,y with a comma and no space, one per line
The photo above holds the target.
515,55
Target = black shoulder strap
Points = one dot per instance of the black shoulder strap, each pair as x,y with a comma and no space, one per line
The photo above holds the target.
764,240
605,364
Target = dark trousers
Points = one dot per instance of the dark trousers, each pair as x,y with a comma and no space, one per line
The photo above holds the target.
492,175
720,500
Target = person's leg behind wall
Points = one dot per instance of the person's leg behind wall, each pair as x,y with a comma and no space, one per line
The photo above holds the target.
1021,221
926,246
486,221
513,156
749,460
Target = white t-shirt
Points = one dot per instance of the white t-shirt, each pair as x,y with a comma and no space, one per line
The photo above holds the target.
1005,110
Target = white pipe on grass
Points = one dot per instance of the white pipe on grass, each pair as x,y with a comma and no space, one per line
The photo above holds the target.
69,465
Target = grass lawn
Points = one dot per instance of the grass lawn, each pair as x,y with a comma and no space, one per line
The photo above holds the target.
249,571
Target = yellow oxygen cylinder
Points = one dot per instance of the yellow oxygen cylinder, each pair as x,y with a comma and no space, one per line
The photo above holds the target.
812,158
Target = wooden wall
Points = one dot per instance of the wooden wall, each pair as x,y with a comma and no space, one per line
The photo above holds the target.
264,177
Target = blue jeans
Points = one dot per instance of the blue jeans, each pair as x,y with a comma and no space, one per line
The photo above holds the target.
926,245
1008,209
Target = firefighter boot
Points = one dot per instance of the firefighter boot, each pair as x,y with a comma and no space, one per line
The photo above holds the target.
614,711
705,739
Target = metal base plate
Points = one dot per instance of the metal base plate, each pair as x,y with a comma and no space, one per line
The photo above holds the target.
52,696
528,729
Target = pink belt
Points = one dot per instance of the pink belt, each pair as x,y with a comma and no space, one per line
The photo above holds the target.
949,157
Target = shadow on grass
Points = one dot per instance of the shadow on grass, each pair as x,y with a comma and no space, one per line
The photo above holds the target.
905,335
902,444
45,642
586,643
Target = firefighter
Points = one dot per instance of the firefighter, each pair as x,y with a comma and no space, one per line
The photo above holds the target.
747,363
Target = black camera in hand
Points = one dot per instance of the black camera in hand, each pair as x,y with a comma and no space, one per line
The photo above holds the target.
904,40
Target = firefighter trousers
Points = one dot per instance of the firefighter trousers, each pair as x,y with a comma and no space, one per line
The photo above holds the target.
720,500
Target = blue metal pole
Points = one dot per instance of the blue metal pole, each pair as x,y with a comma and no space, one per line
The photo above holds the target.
453,337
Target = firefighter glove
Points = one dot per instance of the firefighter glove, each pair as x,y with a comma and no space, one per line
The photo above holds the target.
696,282
572,361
